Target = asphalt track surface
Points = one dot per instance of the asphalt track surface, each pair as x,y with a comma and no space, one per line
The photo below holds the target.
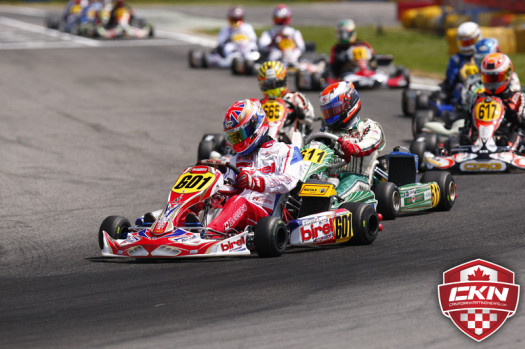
88,132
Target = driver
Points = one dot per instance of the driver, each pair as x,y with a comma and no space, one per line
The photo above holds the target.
120,8
497,78
273,84
268,168
340,59
360,140
282,36
236,27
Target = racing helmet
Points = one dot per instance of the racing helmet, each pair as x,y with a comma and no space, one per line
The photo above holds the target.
282,15
467,36
346,31
235,16
340,105
496,73
245,125
484,47
272,79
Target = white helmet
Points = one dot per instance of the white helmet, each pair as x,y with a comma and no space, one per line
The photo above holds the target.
467,36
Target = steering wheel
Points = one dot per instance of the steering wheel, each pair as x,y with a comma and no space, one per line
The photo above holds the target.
332,138
222,163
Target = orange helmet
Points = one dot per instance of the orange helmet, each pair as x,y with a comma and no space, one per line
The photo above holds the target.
496,72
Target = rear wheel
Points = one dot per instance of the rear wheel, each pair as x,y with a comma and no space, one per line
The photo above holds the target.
418,147
270,236
116,226
408,102
447,188
205,149
419,121
388,199
365,222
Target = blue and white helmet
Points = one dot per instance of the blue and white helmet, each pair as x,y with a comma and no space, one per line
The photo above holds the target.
485,47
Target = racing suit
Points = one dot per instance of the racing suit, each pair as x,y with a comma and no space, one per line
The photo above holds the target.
341,62
228,36
277,167
368,136
117,13
279,39
453,77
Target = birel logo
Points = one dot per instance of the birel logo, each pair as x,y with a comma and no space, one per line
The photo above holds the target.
312,232
199,169
478,297
232,244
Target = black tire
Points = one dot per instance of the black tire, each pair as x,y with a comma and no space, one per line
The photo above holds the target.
431,141
422,101
452,143
116,226
271,237
317,84
447,188
235,66
249,67
419,121
388,200
191,60
408,102
418,147
205,149
365,222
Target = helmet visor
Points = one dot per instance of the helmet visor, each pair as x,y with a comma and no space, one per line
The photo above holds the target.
495,78
466,42
332,111
270,84
242,133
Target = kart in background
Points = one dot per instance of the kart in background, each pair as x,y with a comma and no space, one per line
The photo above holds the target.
492,144
246,51
361,70
393,183
167,234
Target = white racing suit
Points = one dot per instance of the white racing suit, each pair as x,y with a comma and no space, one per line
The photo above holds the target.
230,39
357,174
282,43
303,108
280,165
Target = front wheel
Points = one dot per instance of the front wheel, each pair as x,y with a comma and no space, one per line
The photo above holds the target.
116,226
447,188
270,236
388,199
365,222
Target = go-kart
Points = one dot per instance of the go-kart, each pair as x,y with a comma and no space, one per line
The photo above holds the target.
361,70
69,20
245,51
392,186
283,126
492,144
167,234
127,27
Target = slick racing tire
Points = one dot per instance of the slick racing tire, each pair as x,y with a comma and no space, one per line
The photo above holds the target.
270,237
205,149
447,188
408,102
418,147
116,226
419,121
388,200
365,223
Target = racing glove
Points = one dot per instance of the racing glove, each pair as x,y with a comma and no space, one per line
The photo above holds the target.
247,181
349,149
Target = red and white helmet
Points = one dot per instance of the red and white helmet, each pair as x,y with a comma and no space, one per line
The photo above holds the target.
467,36
496,72
245,125
282,15
340,104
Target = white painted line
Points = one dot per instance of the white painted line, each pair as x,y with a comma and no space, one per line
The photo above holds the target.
192,39
46,31
27,11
